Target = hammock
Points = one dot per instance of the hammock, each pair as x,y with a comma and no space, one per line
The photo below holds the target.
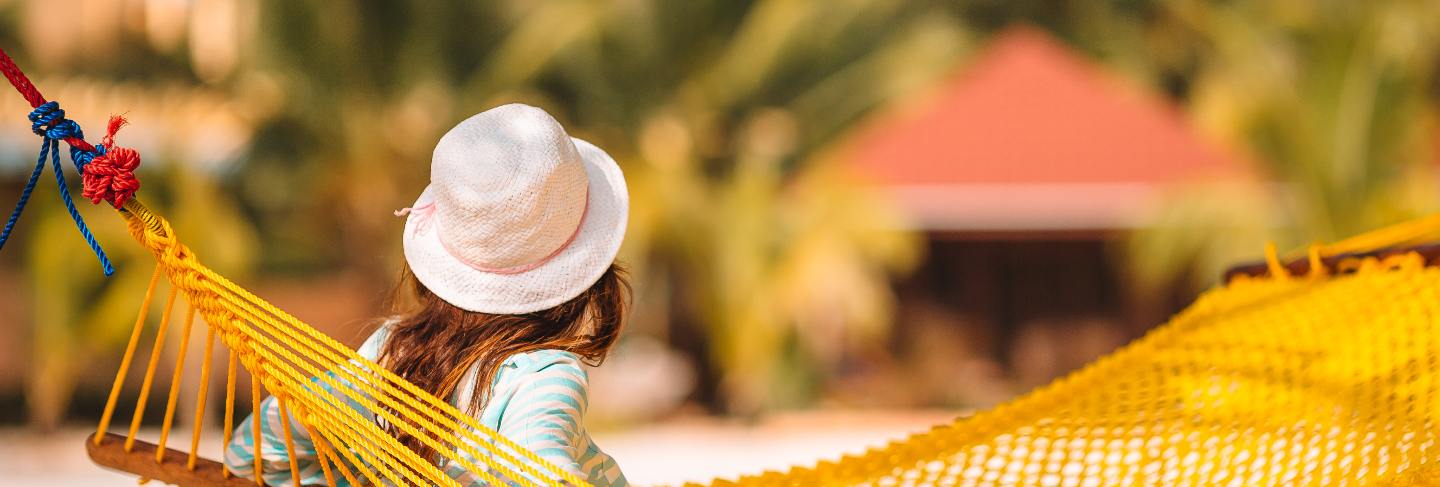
1321,371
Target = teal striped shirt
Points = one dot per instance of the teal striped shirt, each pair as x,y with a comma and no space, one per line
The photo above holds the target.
538,400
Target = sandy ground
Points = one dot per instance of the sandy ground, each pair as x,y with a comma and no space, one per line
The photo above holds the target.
668,453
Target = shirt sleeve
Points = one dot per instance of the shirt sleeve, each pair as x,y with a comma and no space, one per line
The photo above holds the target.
274,457
546,413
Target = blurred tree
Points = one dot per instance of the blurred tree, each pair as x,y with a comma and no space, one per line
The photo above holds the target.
774,262
750,249
1335,101
185,133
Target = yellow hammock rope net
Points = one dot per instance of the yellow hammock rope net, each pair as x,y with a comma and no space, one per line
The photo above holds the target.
291,360
1292,377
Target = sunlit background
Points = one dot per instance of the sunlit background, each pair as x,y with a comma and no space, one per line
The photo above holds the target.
850,219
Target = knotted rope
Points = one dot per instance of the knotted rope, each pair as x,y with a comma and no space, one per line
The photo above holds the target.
110,176
107,171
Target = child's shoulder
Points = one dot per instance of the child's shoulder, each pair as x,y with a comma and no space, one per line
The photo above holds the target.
552,371
547,360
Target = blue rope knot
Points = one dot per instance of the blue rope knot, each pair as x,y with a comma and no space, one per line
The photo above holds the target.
49,122
82,158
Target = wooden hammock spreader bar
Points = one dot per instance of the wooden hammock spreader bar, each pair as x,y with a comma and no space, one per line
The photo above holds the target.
1301,266
140,460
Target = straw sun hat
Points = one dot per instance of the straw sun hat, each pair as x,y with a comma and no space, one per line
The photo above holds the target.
518,217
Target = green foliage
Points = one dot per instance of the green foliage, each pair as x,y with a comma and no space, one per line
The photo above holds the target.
717,111
1335,102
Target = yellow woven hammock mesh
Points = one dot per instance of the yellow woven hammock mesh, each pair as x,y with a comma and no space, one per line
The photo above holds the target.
1327,378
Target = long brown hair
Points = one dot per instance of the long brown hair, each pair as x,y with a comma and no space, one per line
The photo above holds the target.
433,343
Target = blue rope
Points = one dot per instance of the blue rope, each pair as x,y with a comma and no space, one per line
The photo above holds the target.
24,195
49,122
70,206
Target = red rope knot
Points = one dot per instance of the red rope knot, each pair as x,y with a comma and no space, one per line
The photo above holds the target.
111,175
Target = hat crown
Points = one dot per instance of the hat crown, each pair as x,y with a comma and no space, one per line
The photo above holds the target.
510,187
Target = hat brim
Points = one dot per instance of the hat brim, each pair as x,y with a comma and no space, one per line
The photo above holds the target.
565,276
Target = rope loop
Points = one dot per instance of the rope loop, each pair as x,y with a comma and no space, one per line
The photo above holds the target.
1410,232
83,158
1273,263
176,255
1317,261
274,385
48,120
151,231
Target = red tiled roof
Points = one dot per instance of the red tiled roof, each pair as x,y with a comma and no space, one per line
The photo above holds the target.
1031,130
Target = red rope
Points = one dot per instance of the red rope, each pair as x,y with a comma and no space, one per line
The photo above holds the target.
111,176
27,89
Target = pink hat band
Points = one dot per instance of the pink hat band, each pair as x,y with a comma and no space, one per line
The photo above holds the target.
425,214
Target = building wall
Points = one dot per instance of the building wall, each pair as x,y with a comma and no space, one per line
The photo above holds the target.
1023,308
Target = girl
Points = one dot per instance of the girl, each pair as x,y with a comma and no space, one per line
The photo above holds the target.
510,257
